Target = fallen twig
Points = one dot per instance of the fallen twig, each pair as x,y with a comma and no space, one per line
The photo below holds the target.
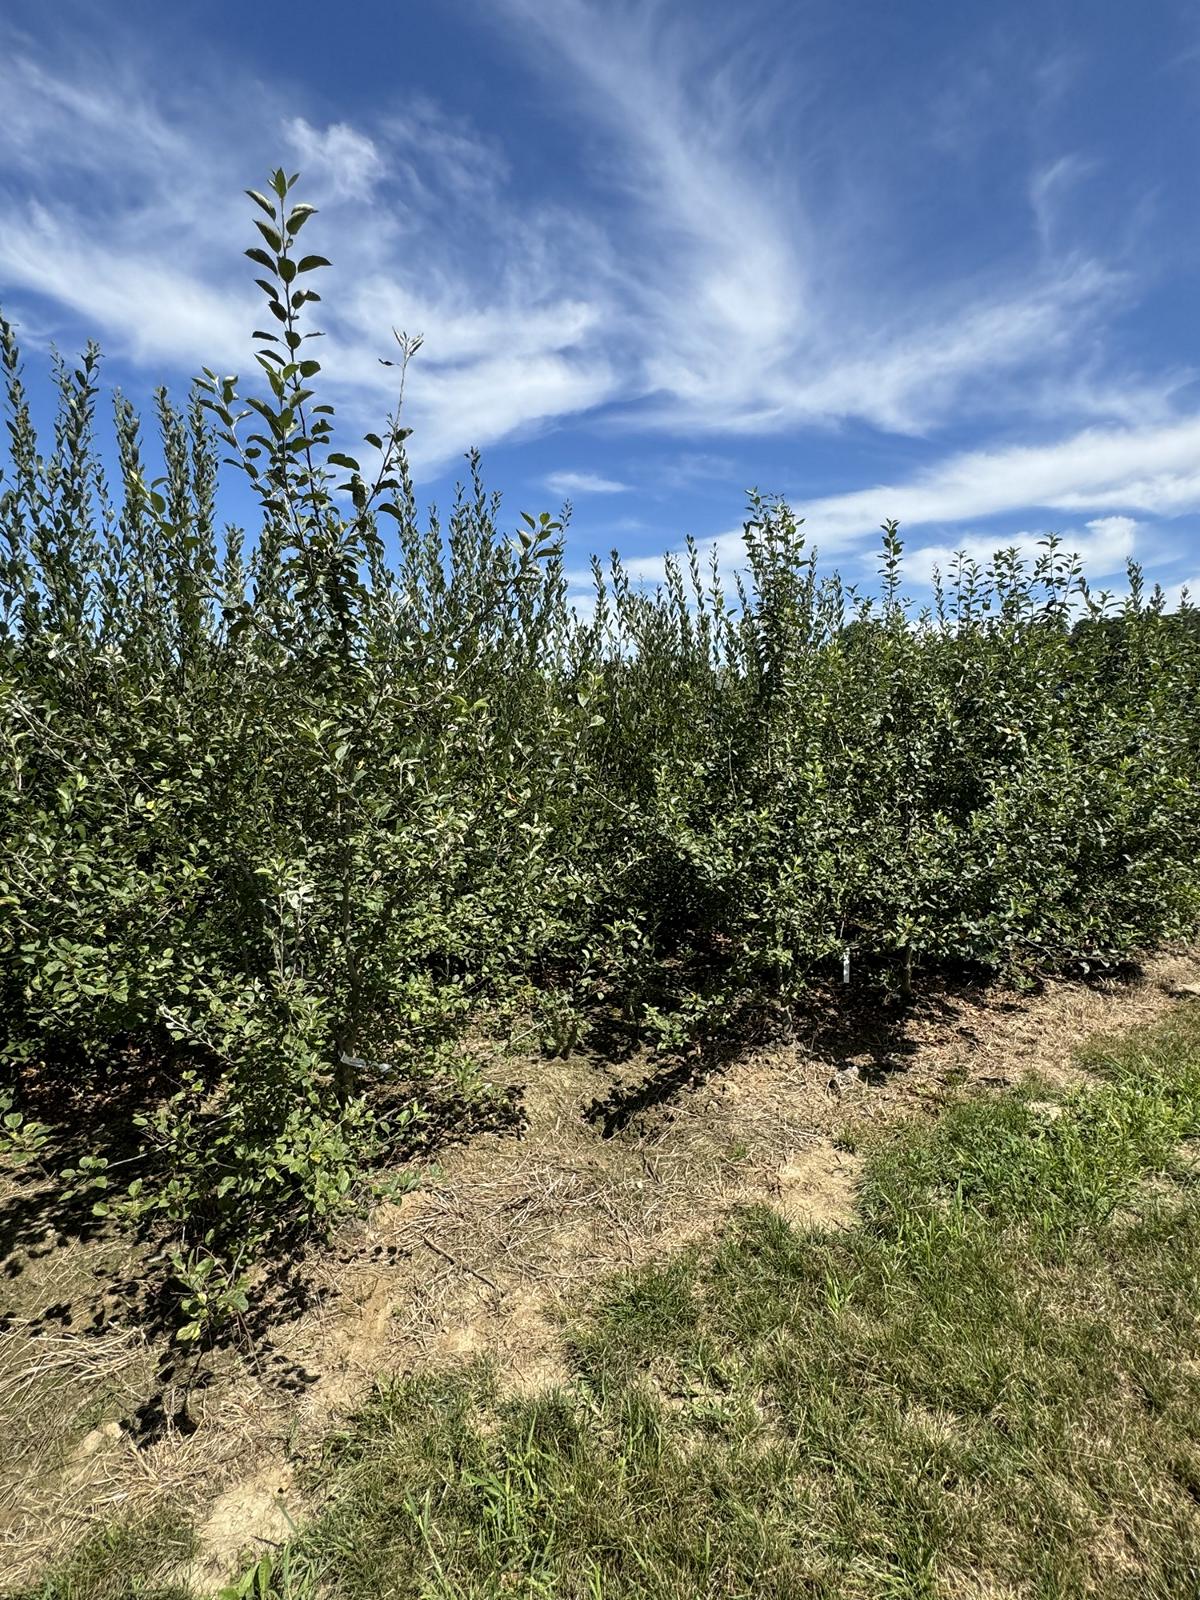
461,1265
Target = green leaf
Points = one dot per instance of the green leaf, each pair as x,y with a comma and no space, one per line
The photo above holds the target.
270,235
274,419
310,263
298,216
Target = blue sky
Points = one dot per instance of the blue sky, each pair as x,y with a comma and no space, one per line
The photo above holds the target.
927,261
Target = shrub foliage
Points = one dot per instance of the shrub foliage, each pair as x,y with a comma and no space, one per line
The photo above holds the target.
285,813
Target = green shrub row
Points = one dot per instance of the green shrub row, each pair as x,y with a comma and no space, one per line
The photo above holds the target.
285,814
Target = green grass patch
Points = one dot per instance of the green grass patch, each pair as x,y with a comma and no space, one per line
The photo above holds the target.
987,1388
135,1559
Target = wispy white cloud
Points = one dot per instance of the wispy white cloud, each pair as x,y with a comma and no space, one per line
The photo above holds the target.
754,305
720,294
157,310
1049,189
1153,471
569,483
691,467
121,210
339,159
